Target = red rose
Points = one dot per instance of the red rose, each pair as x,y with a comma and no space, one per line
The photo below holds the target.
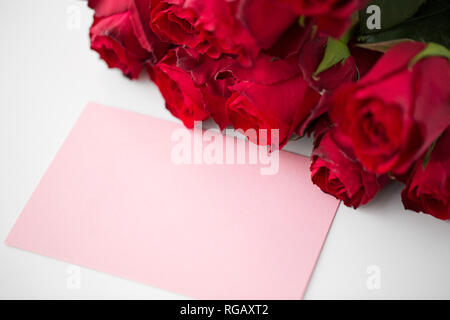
121,35
192,86
271,95
312,54
396,111
237,27
428,189
336,171
332,16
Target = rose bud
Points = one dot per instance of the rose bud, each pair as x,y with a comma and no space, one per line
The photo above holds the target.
333,17
396,111
271,95
336,171
239,27
310,58
428,187
121,35
191,86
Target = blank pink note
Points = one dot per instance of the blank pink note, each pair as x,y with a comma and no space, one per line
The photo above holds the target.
112,200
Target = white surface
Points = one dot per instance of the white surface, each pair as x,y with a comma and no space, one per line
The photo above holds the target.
48,74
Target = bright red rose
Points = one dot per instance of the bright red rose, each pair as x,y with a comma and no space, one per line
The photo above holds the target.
121,35
336,171
333,17
237,27
396,111
428,189
140,11
271,95
192,85
312,54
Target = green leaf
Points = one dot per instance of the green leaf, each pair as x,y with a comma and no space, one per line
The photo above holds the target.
393,12
345,38
381,46
430,24
335,52
431,50
301,21
428,155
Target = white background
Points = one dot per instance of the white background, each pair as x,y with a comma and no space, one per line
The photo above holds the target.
48,74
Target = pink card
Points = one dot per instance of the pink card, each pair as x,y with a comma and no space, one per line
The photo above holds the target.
117,200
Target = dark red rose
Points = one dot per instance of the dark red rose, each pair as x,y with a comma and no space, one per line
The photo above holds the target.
336,171
365,59
121,35
428,188
290,43
213,27
271,95
312,54
192,85
307,127
333,17
396,111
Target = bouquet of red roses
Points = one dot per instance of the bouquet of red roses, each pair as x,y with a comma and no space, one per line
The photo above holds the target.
369,79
